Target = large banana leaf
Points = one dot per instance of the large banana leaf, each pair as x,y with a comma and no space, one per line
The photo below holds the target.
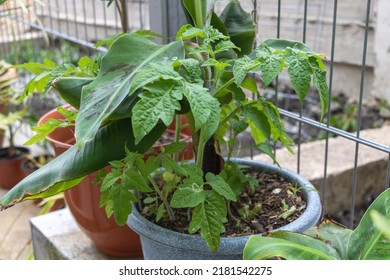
70,89
198,12
126,57
367,241
68,169
291,247
330,241
240,26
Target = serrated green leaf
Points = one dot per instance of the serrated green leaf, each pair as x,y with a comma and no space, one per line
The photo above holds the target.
220,186
172,165
187,32
241,68
135,181
319,80
258,122
193,70
212,122
154,72
219,202
110,179
159,102
200,102
152,164
121,198
270,67
160,212
188,197
299,71
174,147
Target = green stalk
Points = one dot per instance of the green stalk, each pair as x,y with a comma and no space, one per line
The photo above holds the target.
201,145
163,198
177,134
199,14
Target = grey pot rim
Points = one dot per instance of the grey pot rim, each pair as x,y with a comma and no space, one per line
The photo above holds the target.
195,242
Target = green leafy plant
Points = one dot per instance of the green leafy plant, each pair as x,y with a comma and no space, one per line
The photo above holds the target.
330,241
142,87
9,97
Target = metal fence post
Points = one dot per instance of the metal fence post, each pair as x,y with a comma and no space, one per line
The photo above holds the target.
166,16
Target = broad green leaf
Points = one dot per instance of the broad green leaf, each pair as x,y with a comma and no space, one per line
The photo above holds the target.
172,165
212,122
299,71
154,72
381,223
270,67
204,218
334,235
121,197
319,80
74,164
126,57
160,212
282,44
240,26
262,248
175,147
367,242
158,102
220,186
256,118
308,241
219,202
192,68
241,68
188,197
198,12
110,179
135,181
200,102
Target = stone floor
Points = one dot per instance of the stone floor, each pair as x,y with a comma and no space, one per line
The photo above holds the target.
15,233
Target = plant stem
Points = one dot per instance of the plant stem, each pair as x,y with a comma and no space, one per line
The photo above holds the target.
199,14
163,198
201,144
177,134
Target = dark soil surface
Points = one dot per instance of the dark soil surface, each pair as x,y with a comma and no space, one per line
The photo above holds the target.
275,203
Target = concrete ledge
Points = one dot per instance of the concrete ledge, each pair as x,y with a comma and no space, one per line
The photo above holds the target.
372,167
56,236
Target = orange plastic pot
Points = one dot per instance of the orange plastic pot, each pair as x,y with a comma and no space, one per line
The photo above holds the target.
83,202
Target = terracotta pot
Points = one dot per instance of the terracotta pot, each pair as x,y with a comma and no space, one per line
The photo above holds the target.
28,167
83,202
1,131
11,171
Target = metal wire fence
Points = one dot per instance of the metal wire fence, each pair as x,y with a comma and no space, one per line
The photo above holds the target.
75,26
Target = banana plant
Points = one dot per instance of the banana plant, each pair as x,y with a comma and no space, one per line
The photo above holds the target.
370,240
110,97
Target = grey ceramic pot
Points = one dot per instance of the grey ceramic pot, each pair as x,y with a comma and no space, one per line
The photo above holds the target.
161,243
